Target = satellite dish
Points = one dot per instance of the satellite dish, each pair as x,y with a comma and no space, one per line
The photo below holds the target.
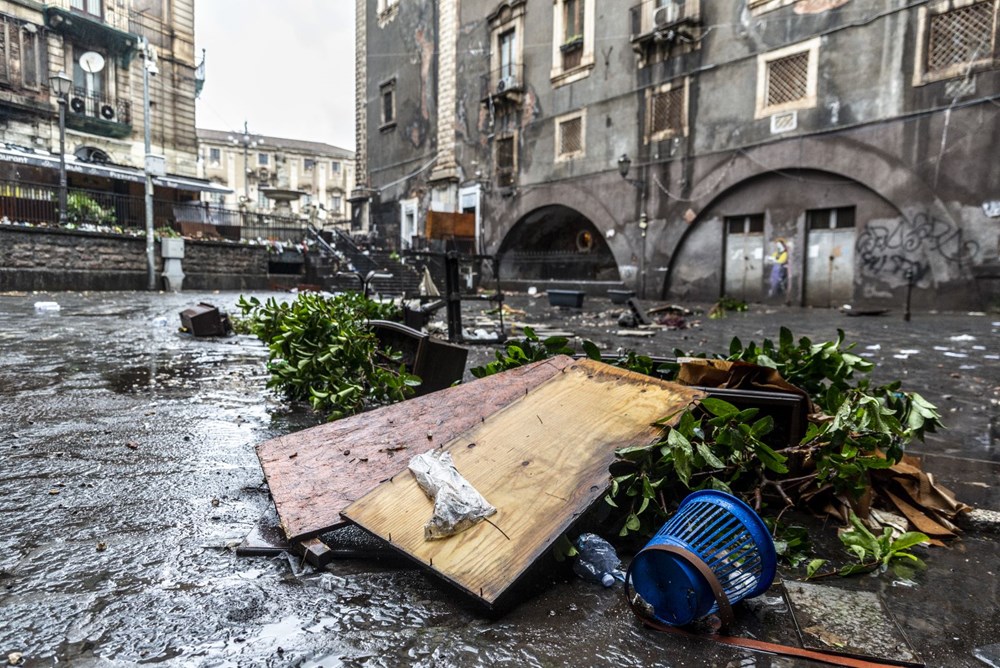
91,62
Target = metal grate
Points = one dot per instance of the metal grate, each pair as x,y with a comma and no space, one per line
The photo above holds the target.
505,162
788,79
960,36
571,136
667,111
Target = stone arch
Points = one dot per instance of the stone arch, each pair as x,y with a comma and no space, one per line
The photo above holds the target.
887,183
556,243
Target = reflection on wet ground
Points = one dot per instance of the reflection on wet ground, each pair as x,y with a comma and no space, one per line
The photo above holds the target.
129,474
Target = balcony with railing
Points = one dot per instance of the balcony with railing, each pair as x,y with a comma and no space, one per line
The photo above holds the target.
99,114
36,205
503,83
660,20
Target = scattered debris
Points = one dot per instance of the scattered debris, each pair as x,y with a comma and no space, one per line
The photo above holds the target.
457,504
571,298
205,320
854,623
47,307
620,296
311,490
542,461
596,560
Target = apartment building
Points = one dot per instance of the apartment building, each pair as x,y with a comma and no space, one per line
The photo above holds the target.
314,176
813,152
101,48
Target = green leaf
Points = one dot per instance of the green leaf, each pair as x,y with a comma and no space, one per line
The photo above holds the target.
908,540
591,350
709,457
813,566
718,407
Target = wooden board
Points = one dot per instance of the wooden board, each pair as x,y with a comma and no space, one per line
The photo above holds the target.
315,473
542,461
445,225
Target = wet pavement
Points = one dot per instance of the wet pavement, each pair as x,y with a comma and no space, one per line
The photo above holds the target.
128,475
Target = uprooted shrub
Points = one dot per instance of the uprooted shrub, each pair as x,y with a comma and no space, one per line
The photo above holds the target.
855,430
322,350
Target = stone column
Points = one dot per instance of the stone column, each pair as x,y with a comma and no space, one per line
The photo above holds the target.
446,168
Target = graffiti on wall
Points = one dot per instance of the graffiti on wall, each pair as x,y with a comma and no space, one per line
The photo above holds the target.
908,249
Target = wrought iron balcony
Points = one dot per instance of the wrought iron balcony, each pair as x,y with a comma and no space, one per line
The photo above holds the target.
659,19
99,114
506,82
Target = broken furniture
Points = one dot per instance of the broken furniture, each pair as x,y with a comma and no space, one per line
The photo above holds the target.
542,439
454,295
438,363
205,320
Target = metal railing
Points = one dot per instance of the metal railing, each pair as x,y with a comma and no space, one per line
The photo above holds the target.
37,204
505,80
104,107
650,15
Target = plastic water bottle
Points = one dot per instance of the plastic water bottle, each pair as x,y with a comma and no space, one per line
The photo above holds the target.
597,561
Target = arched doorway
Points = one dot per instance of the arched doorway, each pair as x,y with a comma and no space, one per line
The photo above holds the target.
782,237
556,243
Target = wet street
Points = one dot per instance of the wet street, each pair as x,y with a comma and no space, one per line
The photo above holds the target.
129,475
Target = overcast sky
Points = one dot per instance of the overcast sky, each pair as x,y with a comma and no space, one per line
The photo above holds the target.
285,67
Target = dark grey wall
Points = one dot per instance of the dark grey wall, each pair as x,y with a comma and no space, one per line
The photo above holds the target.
918,161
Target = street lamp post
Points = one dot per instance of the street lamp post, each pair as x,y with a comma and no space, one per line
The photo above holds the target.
148,68
624,164
61,84
248,141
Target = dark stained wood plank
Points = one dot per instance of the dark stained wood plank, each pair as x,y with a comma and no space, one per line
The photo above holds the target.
542,461
316,473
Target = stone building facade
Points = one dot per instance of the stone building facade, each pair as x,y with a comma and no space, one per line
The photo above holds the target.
813,152
97,44
251,164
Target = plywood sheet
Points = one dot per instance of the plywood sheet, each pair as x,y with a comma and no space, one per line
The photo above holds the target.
315,473
542,461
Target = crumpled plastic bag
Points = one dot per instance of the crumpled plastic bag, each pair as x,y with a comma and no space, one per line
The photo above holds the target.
457,504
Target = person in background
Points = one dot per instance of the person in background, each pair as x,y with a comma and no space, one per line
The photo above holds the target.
779,269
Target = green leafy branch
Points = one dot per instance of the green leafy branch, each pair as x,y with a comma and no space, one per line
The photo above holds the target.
871,552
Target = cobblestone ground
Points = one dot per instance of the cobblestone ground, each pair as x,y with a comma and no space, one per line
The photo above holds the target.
128,474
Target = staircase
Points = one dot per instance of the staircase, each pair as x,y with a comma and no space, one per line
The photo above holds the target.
342,254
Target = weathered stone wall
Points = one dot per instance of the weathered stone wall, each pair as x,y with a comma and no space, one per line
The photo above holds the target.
35,259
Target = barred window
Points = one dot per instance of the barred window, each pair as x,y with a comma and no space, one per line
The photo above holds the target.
505,163
666,111
787,78
960,37
569,137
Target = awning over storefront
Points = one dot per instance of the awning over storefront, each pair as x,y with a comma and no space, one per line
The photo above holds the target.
31,158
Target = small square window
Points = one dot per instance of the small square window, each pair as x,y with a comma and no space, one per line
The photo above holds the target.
336,203
786,78
955,37
262,159
308,164
214,156
570,137
335,167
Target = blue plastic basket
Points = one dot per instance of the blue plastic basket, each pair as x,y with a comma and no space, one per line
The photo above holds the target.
721,532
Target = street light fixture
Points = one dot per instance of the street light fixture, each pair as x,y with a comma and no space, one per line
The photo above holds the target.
61,85
248,141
